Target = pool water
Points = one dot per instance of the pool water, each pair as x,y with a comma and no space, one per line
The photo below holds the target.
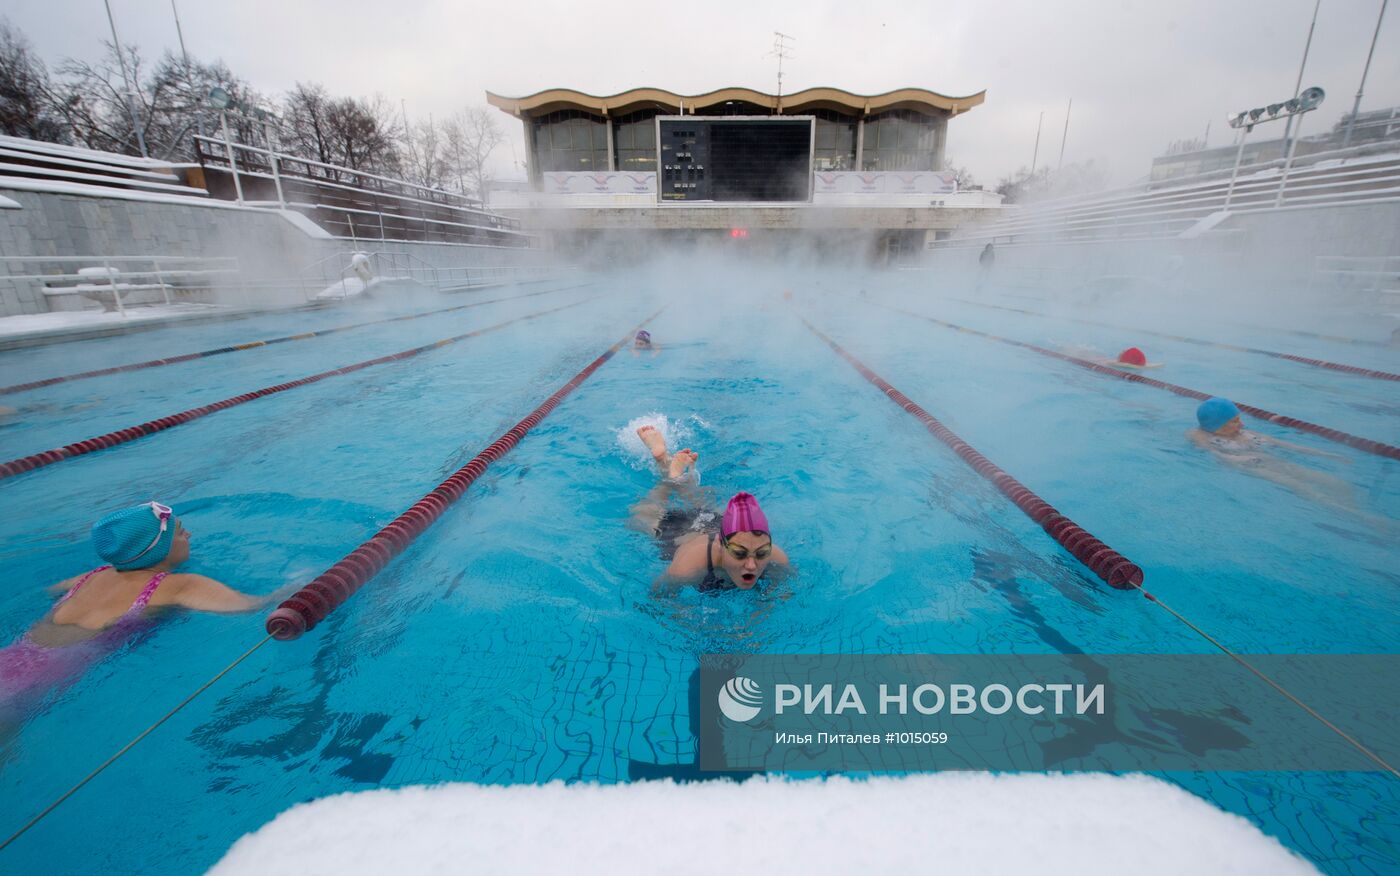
518,639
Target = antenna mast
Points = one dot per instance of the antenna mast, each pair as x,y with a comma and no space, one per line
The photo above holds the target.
781,50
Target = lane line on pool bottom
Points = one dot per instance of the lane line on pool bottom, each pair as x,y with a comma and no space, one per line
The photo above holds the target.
1317,363
125,748
310,605
131,433
252,345
1378,448
1115,569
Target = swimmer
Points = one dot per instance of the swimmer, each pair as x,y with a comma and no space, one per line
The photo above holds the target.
733,556
1133,358
643,341
100,609
1222,432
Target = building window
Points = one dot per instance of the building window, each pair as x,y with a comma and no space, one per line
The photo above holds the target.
570,140
836,141
634,138
903,140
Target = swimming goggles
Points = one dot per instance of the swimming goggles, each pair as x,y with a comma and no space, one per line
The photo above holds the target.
739,552
163,513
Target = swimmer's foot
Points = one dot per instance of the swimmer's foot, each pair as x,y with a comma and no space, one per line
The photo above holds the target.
680,462
656,443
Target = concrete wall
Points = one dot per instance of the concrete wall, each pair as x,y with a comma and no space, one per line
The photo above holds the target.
274,248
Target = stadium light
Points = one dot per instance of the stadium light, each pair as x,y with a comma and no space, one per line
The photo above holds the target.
1305,102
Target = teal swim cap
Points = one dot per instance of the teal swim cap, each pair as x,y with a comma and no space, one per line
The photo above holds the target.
136,537
1216,412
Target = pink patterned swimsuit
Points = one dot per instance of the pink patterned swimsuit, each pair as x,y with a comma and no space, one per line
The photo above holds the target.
27,667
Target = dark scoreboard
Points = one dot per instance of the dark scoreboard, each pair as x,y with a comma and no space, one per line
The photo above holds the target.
735,158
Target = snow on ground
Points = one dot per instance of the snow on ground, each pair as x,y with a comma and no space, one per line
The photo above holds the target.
1082,824
38,323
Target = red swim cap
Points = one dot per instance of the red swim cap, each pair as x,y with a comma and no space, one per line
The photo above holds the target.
1132,356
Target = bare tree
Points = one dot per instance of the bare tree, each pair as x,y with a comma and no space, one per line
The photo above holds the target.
306,123
24,90
471,136
360,133
961,174
424,159
168,102
92,100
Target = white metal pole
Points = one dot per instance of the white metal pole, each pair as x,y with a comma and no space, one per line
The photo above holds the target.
1298,86
1356,107
1287,163
126,80
1065,136
1239,153
1036,154
272,159
232,159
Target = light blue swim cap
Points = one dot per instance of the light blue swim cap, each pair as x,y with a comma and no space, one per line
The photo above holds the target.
136,537
1216,412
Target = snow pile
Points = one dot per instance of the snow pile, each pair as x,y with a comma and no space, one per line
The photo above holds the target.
951,822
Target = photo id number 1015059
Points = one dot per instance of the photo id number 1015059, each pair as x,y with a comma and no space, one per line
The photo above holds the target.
916,738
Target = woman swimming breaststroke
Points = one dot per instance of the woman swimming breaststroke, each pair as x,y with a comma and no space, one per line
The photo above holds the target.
735,556
101,608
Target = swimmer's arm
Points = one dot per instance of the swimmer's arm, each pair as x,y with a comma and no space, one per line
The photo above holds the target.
1199,438
205,594
1298,448
61,586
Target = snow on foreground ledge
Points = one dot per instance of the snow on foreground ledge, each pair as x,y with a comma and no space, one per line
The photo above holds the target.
951,822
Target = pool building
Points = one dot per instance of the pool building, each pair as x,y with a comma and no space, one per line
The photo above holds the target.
742,163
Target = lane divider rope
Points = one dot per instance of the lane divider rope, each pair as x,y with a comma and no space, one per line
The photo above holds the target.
310,605
1112,567
1378,448
131,433
250,345
1317,363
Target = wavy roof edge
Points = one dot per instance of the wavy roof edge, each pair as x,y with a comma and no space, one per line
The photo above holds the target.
551,99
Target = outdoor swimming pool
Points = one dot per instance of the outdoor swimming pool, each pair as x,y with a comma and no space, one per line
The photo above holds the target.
517,639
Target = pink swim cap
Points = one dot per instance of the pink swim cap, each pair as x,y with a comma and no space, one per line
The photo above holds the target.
742,514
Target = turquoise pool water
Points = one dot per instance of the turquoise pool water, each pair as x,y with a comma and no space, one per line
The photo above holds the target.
517,640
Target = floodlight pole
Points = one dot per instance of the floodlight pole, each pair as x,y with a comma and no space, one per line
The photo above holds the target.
1065,136
1239,153
1306,102
232,159
1035,155
1356,107
126,80
1297,87
1288,161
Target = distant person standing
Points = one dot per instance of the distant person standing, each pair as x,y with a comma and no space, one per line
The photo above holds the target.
986,261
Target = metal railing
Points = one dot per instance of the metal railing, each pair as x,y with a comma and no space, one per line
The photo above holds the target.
110,279
1375,274
265,177
1170,210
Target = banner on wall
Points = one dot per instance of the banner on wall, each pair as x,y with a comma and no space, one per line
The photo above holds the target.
602,183
886,182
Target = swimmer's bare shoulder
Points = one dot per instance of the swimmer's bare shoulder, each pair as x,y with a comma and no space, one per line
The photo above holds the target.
689,561
203,594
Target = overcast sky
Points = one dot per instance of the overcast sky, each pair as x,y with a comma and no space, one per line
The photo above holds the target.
1141,74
